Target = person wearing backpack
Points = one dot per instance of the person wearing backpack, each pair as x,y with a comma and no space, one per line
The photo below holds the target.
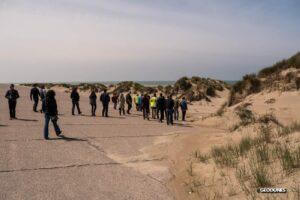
12,95
93,101
51,114
184,108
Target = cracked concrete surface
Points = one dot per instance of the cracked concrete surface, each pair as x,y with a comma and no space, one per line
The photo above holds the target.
100,158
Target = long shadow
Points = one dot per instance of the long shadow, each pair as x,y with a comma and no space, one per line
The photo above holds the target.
1,125
68,139
27,120
182,125
113,117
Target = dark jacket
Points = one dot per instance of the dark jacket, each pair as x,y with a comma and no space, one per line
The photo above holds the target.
34,93
50,106
75,96
169,104
145,103
12,95
160,103
114,99
128,99
183,105
105,98
93,98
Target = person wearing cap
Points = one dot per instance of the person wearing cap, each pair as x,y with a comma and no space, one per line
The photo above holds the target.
34,95
12,95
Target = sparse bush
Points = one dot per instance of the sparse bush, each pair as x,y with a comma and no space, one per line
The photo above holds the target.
221,110
201,157
289,159
183,84
210,91
245,145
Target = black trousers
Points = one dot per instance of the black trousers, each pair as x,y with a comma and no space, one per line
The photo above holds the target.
161,114
105,110
12,108
75,103
35,104
183,115
146,112
94,108
129,108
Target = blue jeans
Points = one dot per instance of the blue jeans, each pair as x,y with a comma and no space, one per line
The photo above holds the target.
46,127
170,116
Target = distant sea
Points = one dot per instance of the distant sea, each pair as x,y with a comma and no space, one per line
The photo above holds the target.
145,83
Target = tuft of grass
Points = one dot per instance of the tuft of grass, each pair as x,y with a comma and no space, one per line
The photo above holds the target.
201,157
289,159
286,130
225,156
259,173
190,170
262,153
265,134
245,145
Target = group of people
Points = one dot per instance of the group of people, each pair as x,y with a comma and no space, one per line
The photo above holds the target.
160,107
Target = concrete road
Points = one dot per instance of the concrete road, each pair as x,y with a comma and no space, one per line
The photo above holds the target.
100,158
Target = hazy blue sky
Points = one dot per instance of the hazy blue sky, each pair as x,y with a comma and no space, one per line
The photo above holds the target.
102,40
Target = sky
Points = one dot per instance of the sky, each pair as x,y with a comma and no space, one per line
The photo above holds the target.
143,40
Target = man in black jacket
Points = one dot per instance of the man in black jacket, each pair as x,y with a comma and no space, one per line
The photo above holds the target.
146,106
129,102
34,94
161,107
12,95
105,99
170,109
51,113
75,101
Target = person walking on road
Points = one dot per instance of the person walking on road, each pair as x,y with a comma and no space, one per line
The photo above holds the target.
170,109
176,109
122,104
51,114
184,108
42,96
93,101
140,97
75,101
153,106
114,99
105,99
34,95
146,106
136,101
160,103
12,95
129,102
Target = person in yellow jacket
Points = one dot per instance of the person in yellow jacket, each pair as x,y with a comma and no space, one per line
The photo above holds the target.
136,101
153,106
